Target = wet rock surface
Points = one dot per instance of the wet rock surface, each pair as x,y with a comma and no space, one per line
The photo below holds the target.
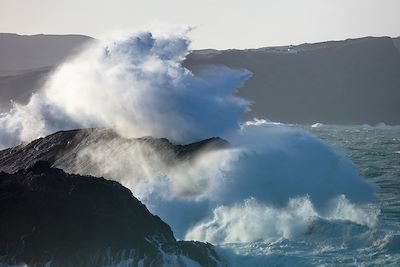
51,217
61,148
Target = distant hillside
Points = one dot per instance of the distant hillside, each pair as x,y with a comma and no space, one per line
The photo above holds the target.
396,42
21,52
354,81
342,82
19,85
25,61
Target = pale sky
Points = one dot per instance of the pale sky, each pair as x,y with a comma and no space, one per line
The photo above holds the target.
218,23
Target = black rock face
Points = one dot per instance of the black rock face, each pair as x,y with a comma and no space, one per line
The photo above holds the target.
61,148
49,216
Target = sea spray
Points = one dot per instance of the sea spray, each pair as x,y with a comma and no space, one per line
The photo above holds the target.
272,165
138,87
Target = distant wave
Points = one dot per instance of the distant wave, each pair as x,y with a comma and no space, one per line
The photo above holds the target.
263,122
381,125
317,125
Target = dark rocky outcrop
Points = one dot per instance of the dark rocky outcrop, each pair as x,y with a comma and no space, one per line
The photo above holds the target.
47,216
61,148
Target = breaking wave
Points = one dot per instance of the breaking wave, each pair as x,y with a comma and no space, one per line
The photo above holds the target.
135,86
251,221
272,184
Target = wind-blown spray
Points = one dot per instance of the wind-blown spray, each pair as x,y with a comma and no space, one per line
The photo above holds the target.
135,86
138,87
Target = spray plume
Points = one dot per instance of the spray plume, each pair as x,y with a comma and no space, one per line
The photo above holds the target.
138,87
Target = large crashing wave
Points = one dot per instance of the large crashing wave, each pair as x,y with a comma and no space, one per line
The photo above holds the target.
136,86
274,165
272,183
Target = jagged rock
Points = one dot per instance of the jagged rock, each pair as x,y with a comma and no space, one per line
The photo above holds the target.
48,216
61,148
71,220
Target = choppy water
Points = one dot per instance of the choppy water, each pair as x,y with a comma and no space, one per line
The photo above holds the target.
279,185
300,234
376,152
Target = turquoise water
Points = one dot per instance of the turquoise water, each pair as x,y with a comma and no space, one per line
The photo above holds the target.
299,235
376,152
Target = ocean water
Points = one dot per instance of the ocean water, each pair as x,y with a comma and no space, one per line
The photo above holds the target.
376,152
279,196
329,242
254,220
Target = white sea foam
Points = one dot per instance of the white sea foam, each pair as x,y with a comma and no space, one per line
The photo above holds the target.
317,125
279,177
269,164
261,122
251,220
381,125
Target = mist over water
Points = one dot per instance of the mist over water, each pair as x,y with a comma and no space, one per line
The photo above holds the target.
270,167
274,183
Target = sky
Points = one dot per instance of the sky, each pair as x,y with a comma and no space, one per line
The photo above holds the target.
217,24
